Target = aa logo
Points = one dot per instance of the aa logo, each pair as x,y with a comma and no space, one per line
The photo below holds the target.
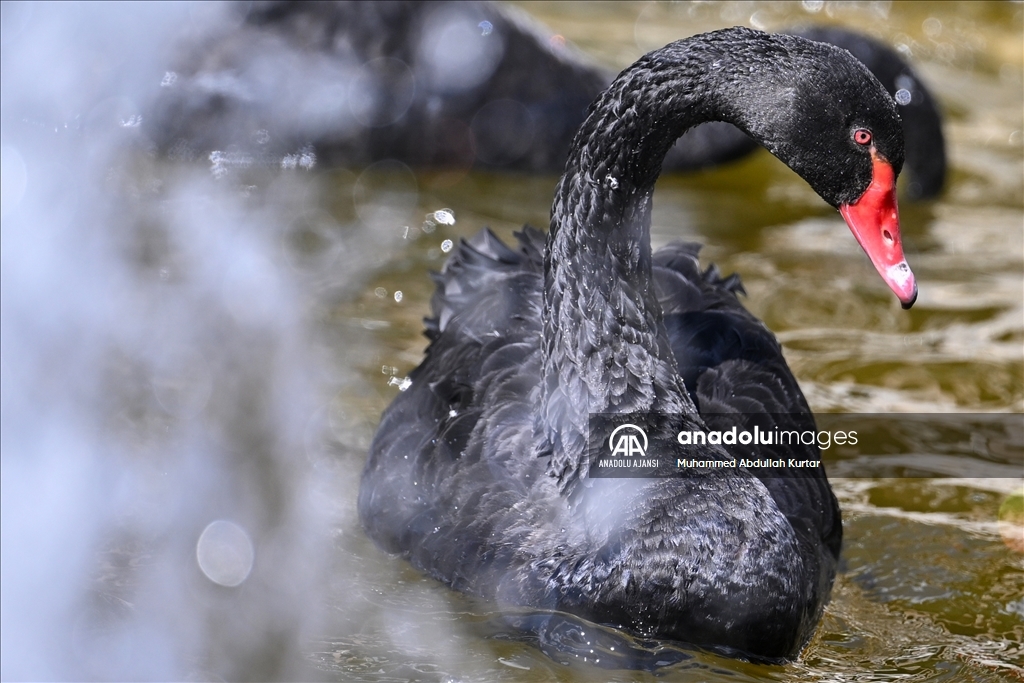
628,440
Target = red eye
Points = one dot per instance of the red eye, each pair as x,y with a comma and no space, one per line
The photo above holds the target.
862,136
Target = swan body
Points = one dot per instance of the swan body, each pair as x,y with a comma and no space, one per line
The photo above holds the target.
478,473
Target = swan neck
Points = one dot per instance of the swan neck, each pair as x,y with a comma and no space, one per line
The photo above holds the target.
605,347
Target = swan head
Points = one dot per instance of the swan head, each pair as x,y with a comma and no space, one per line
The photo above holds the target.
825,115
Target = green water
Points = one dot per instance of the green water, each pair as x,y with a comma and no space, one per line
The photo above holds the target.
929,590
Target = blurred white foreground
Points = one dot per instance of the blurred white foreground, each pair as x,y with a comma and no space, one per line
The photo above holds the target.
157,376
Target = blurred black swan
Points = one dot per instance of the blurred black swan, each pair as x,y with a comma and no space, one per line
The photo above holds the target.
444,84
478,473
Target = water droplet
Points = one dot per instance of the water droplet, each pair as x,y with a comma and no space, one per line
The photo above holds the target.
398,296
217,165
447,245
455,52
903,97
169,79
304,159
402,384
225,553
444,216
380,293
486,27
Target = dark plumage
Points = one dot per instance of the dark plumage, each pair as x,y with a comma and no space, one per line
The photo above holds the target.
478,472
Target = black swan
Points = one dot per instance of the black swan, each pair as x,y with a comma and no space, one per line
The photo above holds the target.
240,90
477,472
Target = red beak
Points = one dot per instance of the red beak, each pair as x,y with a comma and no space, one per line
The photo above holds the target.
875,222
